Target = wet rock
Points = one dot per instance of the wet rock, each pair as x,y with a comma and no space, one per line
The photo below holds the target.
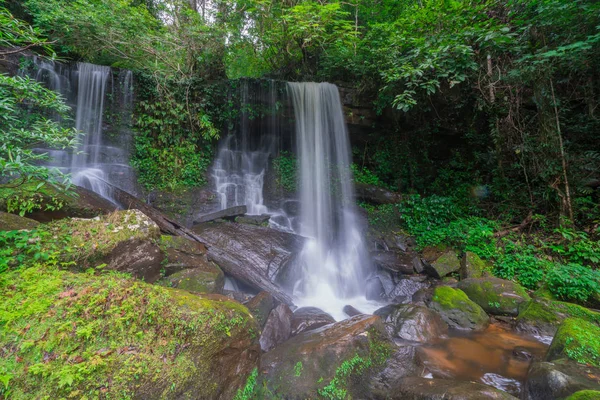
257,256
395,241
521,353
309,318
291,207
277,329
415,388
443,265
559,379
181,254
306,363
431,253
374,289
12,222
402,363
230,212
496,296
408,287
260,307
457,310
578,340
471,266
207,278
396,262
351,311
423,296
412,322
376,194
240,297
79,202
541,317
254,219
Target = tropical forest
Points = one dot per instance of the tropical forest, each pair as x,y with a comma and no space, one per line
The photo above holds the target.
300,199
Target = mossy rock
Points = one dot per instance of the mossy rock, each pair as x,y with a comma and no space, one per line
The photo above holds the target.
81,335
334,361
496,296
585,395
445,264
12,222
206,279
471,266
412,322
559,380
53,202
542,317
578,340
260,306
457,310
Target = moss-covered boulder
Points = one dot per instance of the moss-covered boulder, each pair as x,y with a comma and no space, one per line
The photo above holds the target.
541,316
335,361
496,296
471,266
49,202
445,264
578,340
412,322
585,395
204,279
457,310
12,222
81,335
559,379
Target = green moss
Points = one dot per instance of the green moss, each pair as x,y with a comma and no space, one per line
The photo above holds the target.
202,279
449,298
472,266
12,222
457,310
578,340
496,296
585,395
80,335
554,312
249,390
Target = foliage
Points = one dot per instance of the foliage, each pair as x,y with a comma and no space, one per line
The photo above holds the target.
168,155
284,166
248,391
17,36
364,175
574,282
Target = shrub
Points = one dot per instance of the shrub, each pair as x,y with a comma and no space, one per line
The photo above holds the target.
573,282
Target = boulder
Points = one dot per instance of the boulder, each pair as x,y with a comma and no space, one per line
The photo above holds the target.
496,296
127,338
408,287
402,363
541,317
230,212
471,266
261,220
181,253
337,358
578,340
393,241
396,262
277,329
351,311
309,318
56,203
415,388
12,222
258,256
559,379
443,265
207,278
260,306
412,322
457,310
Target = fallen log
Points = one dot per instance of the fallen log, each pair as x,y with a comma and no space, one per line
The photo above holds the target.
528,220
221,258
230,212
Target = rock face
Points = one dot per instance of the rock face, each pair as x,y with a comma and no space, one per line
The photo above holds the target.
471,266
412,322
306,365
414,388
81,203
260,306
401,364
457,310
496,296
578,340
309,318
12,222
559,379
396,262
542,316
443,265
277,329
258,256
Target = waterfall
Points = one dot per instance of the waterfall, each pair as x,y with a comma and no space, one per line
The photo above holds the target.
243,157
99,162
334,263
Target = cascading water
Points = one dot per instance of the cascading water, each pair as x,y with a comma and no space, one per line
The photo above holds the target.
334,261
243,158
95,165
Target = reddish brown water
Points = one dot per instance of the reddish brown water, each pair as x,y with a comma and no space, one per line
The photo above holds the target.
487,357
